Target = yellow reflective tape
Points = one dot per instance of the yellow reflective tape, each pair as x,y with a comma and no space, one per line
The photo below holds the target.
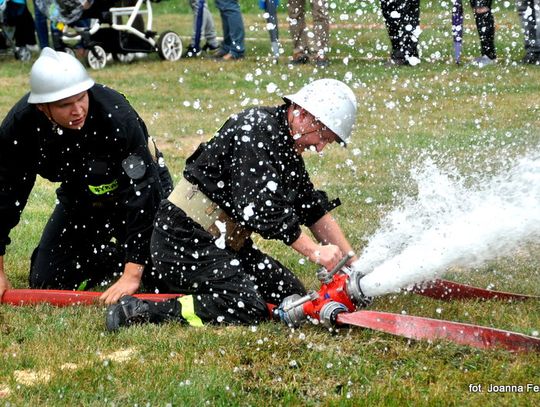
103,189
188,311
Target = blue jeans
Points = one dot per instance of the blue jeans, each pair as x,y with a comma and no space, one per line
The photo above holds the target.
233,27
208,29
42,29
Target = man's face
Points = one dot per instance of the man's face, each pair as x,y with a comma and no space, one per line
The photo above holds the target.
309,133
69,113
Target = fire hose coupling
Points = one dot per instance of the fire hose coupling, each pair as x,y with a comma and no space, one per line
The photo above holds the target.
329,313
354,290
291,309
340,292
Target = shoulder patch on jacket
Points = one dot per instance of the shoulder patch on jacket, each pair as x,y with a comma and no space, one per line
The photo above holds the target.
134,166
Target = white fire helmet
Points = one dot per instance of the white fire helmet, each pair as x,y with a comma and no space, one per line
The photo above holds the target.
331,102
55,76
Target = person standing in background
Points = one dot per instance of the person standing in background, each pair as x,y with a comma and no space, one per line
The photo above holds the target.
485,25
20,20
529,13
42,29
232,47
299,31
207,29
402,20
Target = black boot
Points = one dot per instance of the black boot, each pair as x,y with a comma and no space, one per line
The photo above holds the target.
192,51
130,310
485,25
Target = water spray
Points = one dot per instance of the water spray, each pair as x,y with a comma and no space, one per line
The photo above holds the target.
453,223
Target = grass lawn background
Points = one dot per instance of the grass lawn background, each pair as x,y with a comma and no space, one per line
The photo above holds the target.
475,120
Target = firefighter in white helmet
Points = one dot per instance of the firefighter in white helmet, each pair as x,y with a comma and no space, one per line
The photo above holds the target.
88,138
250,177
332,103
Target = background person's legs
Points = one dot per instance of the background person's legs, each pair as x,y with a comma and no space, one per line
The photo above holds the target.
529,14
233,28
321,28
297,28
485,25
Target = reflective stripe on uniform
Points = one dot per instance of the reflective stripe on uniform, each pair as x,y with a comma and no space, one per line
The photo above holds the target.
188,311
103,189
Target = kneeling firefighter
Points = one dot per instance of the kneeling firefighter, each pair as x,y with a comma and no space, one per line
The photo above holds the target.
88,138
250,177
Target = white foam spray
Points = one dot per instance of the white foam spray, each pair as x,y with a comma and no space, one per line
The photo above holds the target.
451,223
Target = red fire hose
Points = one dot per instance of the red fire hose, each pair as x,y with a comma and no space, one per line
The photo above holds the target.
409,326
62,298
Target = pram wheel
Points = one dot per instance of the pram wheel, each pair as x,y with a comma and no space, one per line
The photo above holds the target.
69,51
97,57
169,46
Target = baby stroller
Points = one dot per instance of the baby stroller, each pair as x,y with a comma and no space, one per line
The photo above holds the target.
100,31
5,43
16,28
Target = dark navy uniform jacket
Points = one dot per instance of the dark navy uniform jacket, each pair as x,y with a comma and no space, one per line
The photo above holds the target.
251,170
104,166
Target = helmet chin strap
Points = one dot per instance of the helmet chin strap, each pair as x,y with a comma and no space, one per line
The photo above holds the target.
49,114
45,108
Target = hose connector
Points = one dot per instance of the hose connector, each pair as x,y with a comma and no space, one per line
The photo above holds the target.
291,310
329,313
354,291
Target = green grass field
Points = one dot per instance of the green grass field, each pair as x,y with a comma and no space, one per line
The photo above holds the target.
459,115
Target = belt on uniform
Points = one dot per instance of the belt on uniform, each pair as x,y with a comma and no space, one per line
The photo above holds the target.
208,214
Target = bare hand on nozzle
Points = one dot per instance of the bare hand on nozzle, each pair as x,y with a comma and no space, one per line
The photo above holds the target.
327,256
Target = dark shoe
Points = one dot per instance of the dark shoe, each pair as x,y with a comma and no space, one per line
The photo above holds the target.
220,53
300,59
532,58
322,63
128,311
210,49
22,54
191,52
392,62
